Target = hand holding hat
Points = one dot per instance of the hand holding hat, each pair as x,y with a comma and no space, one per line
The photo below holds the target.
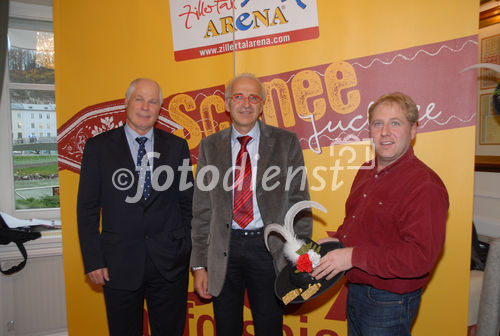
295,283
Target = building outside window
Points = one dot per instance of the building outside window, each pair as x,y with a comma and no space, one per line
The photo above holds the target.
31,90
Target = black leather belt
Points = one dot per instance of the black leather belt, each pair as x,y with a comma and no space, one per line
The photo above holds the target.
247,233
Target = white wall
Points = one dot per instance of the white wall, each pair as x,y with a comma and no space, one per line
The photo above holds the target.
487,203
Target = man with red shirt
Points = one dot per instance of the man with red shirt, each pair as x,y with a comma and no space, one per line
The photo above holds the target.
394,228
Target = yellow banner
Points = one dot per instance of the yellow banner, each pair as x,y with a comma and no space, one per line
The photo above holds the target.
389,45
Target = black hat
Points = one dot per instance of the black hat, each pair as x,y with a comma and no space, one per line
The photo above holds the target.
295,284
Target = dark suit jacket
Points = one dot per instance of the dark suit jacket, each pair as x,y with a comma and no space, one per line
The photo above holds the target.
159,226
213,209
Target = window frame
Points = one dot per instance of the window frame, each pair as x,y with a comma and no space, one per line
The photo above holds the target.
22,11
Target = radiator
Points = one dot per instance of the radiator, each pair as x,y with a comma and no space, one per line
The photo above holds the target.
33,300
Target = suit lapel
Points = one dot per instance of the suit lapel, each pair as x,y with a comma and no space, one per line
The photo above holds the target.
224,147
222,159
122,150
265,152
161,147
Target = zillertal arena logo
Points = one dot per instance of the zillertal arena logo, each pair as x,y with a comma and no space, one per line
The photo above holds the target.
202,28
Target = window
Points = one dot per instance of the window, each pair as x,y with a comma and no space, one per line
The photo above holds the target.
29,84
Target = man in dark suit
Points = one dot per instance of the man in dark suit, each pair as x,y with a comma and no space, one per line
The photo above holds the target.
229,253
142,249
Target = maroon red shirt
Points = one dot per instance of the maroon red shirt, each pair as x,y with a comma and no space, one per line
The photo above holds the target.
396,222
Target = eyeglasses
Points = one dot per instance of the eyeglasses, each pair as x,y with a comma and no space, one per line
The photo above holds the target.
240,98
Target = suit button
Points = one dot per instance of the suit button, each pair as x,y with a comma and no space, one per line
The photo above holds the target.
146,237
227,225
225,254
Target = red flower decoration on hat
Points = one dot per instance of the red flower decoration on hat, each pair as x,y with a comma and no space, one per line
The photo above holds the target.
304,264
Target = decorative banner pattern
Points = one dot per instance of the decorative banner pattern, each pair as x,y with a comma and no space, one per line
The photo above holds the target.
331,101
324,105
95,119
205,27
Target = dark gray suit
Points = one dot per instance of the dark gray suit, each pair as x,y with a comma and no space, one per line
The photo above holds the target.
212,209
139,236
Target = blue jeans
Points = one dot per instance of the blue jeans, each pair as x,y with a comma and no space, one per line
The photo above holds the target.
376,312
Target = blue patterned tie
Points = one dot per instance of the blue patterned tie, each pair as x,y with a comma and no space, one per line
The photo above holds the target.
140,154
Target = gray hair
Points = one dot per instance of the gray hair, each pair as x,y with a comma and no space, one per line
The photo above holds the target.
131,88
229,88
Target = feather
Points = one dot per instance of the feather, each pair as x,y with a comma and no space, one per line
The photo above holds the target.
290,249
296,208
292,244
277,228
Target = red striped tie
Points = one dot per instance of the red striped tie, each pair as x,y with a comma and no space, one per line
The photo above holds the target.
243,200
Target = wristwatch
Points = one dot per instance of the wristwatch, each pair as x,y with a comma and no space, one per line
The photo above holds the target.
197,268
